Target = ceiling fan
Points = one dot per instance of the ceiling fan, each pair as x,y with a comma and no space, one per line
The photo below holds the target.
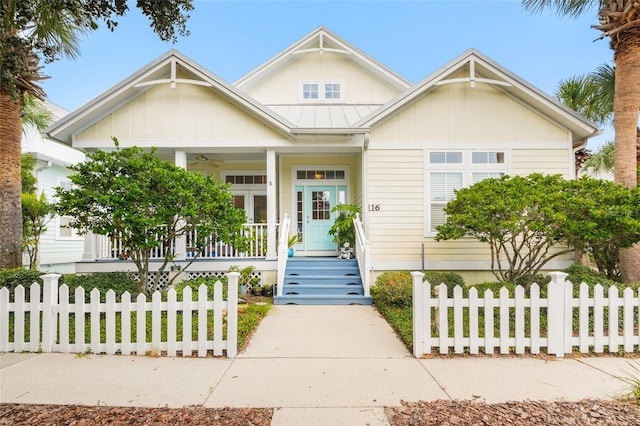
201,158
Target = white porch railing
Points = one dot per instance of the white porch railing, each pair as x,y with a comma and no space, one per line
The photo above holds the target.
362,254
112,248
283,249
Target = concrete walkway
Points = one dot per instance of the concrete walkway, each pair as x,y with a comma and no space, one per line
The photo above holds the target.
315,365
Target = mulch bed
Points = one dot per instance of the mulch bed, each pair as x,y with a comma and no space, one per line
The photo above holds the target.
77,415
440,412
526,413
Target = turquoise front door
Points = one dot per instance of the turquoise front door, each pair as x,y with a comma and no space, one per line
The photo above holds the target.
319,200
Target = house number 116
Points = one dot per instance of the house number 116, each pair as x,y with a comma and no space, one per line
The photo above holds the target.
374,207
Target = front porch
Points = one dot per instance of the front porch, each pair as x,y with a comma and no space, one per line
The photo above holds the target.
320,280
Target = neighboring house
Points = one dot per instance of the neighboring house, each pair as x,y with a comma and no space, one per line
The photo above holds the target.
323,123
60,246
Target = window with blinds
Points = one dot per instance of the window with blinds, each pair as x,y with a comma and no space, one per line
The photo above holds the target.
449,171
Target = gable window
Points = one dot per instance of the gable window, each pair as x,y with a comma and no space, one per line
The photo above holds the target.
448,171
332,91
321,91
310,91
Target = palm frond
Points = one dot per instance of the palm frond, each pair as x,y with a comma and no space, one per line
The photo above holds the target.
34,113
601,160
570,8
583,94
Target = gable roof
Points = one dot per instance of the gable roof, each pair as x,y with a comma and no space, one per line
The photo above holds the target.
481,69
163,70
320,40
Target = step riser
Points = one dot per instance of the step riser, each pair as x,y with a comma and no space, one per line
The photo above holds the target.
310,300
323,292
323,281
322,271
322,263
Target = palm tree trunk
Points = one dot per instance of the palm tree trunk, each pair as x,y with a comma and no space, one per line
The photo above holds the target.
626,107
11,187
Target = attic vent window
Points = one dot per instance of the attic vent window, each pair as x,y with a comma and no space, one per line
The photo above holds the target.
321,91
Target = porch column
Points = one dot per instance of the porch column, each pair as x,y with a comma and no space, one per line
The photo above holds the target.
272,249
89,247
180,160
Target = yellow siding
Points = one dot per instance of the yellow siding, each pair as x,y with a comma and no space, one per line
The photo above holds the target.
548,161
457,112
186,113
395,184
359,86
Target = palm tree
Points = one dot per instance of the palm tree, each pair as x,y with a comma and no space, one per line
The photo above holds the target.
35,29
603,159
620,21
20,40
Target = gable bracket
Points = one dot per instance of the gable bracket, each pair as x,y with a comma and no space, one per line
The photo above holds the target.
173,80
472,79
320,48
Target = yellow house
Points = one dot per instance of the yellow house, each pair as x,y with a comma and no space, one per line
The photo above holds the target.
322,123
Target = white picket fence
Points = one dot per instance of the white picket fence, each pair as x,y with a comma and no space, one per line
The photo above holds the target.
605,323
51,317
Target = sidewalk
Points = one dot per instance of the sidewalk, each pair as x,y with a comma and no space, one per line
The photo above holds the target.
314,365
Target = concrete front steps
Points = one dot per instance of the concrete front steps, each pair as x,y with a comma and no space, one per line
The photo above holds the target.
322,281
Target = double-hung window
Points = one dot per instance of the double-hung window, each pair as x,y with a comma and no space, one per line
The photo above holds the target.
448,171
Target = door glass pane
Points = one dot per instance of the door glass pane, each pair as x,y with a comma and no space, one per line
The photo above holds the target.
260,209
321,208
238,201
299,215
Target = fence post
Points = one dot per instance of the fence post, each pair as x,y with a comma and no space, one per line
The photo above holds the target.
232,314
49,315
556,318
418,315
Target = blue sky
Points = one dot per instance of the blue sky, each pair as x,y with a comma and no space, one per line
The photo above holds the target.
413,38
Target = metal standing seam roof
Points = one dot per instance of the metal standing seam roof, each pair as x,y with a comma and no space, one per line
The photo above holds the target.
323,116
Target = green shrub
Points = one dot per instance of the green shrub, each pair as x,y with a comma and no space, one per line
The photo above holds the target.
119,282
495,287
195,283
393,288
12,278
450,279
579,274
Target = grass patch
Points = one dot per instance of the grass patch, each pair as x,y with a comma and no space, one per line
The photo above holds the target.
248,321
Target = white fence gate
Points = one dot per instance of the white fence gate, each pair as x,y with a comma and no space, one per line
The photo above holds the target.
560,322
51,319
